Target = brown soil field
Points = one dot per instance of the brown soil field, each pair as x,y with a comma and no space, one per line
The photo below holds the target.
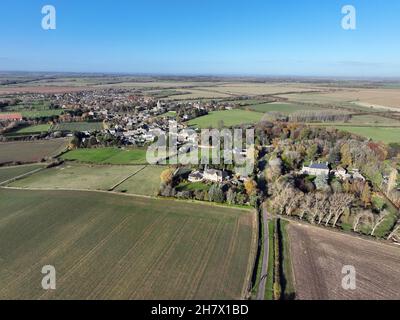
30,151
42,89
319,255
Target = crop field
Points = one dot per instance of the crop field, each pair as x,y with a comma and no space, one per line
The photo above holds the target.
145,182
367,98
318,256
107,156
190,94
31,151
7,173
252,89
77,176
78,126
280,107
229,118
107,246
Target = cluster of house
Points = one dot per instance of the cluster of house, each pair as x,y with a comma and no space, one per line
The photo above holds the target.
318,169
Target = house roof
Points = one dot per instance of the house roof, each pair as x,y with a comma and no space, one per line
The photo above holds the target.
322,166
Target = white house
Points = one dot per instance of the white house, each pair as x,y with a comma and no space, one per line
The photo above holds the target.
196,176
215,175
342,174
316,169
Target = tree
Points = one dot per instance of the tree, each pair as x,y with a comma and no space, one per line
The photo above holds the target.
321,183
215,194
339,202
231,196
167,176
274,169
366,195
251,186
345,154
378,221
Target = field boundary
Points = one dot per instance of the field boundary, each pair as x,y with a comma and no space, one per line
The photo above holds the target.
126,178
211,204
20,176
342,232
252,263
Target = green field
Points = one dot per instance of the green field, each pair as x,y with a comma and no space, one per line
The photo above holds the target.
77,176
107,246
107,156
35,110
31,130
279,107
78,126
383,134
31,151
145,182
7,173
229,118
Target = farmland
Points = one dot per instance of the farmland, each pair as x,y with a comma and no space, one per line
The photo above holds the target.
31,151
229,118
7,173
78,126
384,134
319,255
144,182
279,107
30,130
107,246
107,156
77,176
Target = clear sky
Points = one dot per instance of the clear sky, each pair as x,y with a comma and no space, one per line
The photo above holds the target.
222,37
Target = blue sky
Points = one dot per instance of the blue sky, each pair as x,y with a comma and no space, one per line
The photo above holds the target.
253,37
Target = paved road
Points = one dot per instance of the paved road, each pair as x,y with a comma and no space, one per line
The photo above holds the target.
264,268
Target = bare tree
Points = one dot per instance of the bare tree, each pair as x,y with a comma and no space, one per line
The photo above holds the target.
381,217
320,207
395,230
365,214
306,205
293,201
338,203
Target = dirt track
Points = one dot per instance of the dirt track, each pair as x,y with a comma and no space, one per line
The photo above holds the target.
319,255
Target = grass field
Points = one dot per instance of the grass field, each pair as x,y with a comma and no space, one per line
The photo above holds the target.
107,246
280,107
145,182
383,134
77,176
107,156
37,129
78,126
31,151
229,117
35,110
7,173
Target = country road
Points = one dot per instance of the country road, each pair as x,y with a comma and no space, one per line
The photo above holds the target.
264,267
